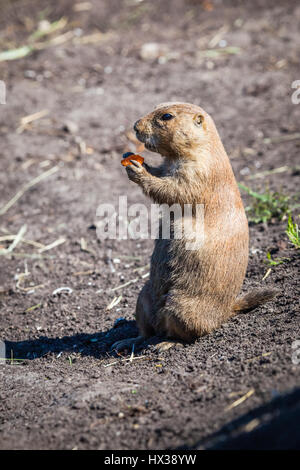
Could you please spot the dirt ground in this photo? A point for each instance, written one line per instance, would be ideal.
(92, 77)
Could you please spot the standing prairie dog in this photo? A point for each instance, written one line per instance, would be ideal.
(192, 292)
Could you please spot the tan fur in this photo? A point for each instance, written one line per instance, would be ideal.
(192, 292)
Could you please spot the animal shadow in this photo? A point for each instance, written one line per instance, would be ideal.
(97, 345)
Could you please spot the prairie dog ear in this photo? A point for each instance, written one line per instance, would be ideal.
(199, 120)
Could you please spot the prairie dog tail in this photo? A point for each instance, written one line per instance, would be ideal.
(253, 300)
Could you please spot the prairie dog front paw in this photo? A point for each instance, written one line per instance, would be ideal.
(136, 172)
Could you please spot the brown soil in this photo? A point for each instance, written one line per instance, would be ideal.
(64, 394)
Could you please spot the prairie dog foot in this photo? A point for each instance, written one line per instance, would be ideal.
(166, 345)
(127, 343)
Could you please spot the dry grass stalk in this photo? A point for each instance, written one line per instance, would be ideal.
(240, 400)
(27, 186)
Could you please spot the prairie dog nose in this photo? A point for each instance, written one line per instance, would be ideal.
(135, 127)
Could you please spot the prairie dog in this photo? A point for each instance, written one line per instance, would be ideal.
(192, 292)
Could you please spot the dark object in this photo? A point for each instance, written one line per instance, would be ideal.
(127, 154)
(278, 427)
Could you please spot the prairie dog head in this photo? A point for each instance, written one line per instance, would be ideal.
(175, 130)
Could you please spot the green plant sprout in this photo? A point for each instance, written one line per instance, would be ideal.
(292, 232)
(266, 206)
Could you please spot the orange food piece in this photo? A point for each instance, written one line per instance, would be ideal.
(126, 161)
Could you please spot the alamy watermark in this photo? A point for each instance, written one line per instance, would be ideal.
(2, 352)
(2, 92)
(161, 221)
(296, 95)
(296, 352)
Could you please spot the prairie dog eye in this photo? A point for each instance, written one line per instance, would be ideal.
(167, 117)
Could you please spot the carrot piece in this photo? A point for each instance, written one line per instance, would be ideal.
(126, 161)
